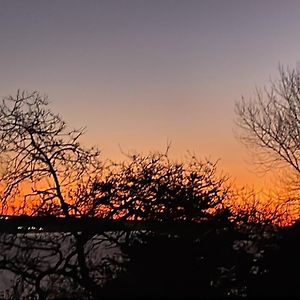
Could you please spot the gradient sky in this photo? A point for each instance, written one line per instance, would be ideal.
(141, 73)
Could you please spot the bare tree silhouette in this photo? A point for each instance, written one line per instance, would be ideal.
(270, 124)
(41, 160)
(270, 127)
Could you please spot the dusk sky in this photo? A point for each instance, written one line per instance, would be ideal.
(140, 74)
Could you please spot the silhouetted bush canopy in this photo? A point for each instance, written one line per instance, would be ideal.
(154, 188)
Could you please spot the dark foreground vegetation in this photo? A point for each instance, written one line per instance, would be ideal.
(211, 259)
(148, 227)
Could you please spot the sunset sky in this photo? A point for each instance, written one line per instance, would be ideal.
(139, 74)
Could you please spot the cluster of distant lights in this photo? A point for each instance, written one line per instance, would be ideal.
(28, 228)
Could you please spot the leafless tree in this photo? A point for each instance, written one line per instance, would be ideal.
(270, 125)
(41, 160)
(41, 163)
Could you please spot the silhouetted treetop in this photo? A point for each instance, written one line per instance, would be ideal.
(152, 187)
(271, 121)
(40, 157)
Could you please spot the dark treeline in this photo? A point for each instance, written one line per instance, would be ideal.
(211, 259)
(19, 224)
